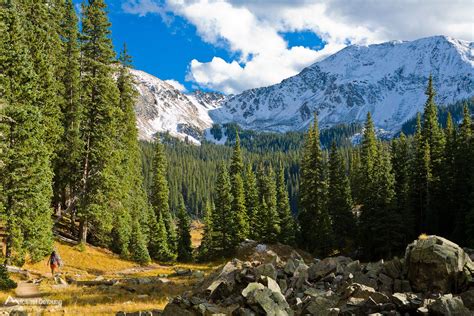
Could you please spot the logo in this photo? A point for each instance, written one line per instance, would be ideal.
(13, 301)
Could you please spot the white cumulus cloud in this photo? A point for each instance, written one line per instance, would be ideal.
(251, 31)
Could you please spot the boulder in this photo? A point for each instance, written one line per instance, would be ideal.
(393, 268)
(407, 302)
(468, 299)
(448, 305)
(437, 264)
(267, 269)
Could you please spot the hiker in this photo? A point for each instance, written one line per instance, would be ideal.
(54, 262)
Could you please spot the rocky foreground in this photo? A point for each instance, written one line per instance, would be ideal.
(436, 277)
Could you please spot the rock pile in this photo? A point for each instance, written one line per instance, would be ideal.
(421, 283)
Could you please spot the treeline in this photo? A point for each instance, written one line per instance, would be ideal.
(246, 204)
(69, 140)
(384, 194)
(193, 170)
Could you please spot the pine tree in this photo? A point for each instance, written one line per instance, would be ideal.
(160, 196)
(433, 135)
(420, 180)
(269, 222)
(158, 240)
(99, 99)
(313, 218)
(185, 251)
(340, 202)
(67, 166)
(464, 178)
(379, 231)
(42, 35)
(26, 172)
(446, 216)
(138, 250)
(402, 172)
(287, 222)
(240, 221)
(251, 201)
(206, 247)
(129, 170)
(221, 217)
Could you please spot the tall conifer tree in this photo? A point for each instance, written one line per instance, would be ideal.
(99, 98)
(240, 221)
(313, 218)
(26, 173)
(185, 251)
(340, 202)
(221, 217)
(287, 222)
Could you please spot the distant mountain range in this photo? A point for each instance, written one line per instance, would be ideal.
(387, 79)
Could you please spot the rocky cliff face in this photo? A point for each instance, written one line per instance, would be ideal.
(386, 79)
(162, 108)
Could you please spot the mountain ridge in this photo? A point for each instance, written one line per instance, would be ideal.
(387, 79)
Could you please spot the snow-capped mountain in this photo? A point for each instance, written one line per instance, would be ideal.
(388, 79)
(162, 108)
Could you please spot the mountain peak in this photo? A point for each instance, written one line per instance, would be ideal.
(387, 79)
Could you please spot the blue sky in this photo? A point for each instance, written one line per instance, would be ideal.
(233, 45)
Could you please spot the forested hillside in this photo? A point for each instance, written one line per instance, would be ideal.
(71, 163)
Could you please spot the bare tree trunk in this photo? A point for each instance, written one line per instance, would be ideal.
(83, 231)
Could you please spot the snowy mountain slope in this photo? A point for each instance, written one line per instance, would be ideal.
(162, 108)
(386, 79)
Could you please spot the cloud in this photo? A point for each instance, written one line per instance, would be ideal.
(251, 32)
(177, 85)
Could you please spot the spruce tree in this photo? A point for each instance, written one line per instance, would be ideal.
(221, 217)
(432, 134)
(402, 172)
(420, 179)
(251, 201)
(159, 197)
(99, 99)
(268, 219)
(26, 171)
(206, 247)
(446, 216)
(287, 222)
(43, 40)
(158, 240)
(138, 250)
(240, 221)
(185, 251)
(67, 165)
(379, 223)
(340, 202)
(464, 181)
(129, 170)
(313, 218)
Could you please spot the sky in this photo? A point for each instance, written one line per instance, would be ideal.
(234, 45)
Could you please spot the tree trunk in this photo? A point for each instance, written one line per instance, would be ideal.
(83, 231)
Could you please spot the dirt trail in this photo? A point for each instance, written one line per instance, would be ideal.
(27, 290)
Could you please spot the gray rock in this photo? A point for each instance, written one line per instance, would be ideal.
(267, 269)
(290, 267)
(468, 299)
(393, 268)
(374, 268)
(448, 305)
(361, 278)
(320, 306)
(436, 264)
(251, 287)
(407, 302)
(321, 268)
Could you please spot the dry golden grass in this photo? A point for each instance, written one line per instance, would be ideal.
(108, 300)
(197, 230)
